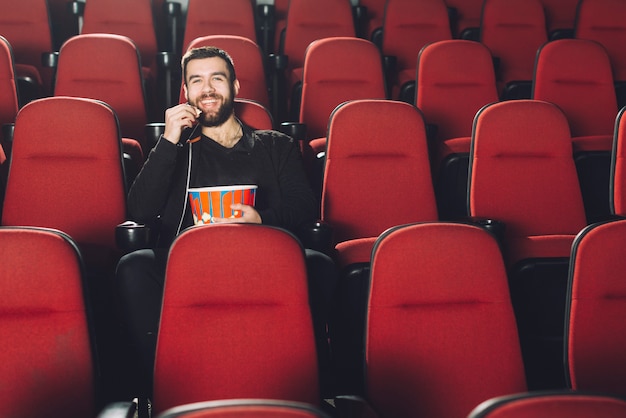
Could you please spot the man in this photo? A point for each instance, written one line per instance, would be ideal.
(204, 144)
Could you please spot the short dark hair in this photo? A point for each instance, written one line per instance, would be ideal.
(208, 52)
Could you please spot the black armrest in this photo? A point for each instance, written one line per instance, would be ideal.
(496, 227)
(296, 130)
(50, 59)
(7, 137)
(354, 407)
(119, 410)
(317, 236)
(153, 130)
(390, 63)
(131, 236)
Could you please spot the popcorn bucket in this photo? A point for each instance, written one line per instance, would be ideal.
(214, 202)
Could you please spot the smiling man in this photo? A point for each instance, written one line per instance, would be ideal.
(205, 144)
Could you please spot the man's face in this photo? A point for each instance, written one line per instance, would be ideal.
(208, 88)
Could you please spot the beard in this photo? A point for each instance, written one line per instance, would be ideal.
(223, 113)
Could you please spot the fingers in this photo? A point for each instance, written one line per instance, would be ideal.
(177, 119)
(250, 215)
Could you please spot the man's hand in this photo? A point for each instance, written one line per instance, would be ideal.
(250, 215)
(178, 118)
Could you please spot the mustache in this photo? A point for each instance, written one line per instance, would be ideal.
(210, 96)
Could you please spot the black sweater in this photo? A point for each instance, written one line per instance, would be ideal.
(269, 159)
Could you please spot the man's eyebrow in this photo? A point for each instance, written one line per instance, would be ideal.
(222, 73)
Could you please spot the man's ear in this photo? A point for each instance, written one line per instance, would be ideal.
(185, 91)
(236, 87)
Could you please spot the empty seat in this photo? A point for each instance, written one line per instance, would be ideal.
(523, 174)
(219, 17)
(114, 76)
(594, 329)
(441, 335)
(407, 26)
(366, 140)
(26, 26)
(575, 74)
(455, 78)
(356, 73)
(601, 21)
(307, 21)
(551, 404)
(134, 20)
(47, 351)
(227, 319)
(513, 30)
(242, 408)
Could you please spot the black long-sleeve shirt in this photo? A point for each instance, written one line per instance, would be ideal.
(269, 159)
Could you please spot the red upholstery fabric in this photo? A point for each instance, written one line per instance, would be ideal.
(450, 98)
(280, 22)
(356, 73)
(8, 92)
(467, 14)
(513, 30)
(560, 14)
(308, 21)
(522, 173)
(618, 165)
(441, 333)
(575, 74)
(551, 405)
(47, 361)
(133, 19)
(601, 21)
(408, 26)
(245, 408)
(26, 25)
(389, 185)
(595, 327)
(218, 17)
(234, 327)
(66, 170)
(112, 75)
(249, 66)
(253, 114)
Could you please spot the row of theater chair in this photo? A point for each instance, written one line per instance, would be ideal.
(426, 21)
(540, 217)
(441, 334)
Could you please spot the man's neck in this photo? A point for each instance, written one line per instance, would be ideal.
(226, 134)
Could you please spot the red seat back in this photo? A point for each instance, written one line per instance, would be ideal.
(601, 21)
(245, 408)
(575, 74)
(551, 404)
(219, 17)
(226, 318)
(46, 353)
(440, 322)
(595, 332)
(66, 170)
(409, 25)
(112, 75)
(513, 30)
